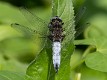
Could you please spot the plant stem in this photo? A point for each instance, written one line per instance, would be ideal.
(87, 51)
(78, 76)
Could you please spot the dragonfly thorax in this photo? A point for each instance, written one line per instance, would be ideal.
(56, 30)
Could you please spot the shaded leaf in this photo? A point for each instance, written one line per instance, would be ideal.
(90, 74)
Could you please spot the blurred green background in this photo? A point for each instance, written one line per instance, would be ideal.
(17, 51)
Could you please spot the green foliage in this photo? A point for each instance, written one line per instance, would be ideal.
(90, 74)
(17, 51)
(95, 36)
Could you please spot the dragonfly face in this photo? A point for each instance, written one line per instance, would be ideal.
(56, 22)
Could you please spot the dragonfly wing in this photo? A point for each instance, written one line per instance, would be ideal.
(25, 30)
(72, 33)
(36, 23)
(30, 33)
(69, 31)
(79, 14)
(80, 29)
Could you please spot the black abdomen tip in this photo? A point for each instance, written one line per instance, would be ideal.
(56, 68)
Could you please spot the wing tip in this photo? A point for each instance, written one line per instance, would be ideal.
(14, 24)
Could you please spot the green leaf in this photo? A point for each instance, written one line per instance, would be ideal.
(63, 9)
(38, 69)
(95, 31)
(6, 75)
(96, 60)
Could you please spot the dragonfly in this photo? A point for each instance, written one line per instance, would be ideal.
(56, 31)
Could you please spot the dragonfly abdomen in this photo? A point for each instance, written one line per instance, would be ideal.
(56, 47)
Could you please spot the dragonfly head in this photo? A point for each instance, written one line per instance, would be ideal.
(56, 21)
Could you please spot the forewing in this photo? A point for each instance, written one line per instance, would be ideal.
(36, 23)
(28, 32)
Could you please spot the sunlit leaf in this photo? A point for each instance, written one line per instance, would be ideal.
(96, 60)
